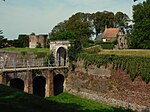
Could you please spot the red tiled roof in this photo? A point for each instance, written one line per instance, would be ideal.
(110, 32)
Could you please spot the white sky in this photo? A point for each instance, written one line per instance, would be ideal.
(40, 16)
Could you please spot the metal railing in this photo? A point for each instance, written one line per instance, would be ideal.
(28, 63)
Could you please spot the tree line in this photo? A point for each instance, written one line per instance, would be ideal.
(83, 26)
(21, 42)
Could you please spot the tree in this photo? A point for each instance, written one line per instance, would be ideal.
(77, 25)
(121, 19)
(85, 25)
(74, 50)
(66, 35)
(23, 41)
(59, 28)
(3, 41)
(101, 20)
(81, 26)
(140, 37)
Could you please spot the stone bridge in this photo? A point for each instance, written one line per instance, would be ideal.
(35, 76)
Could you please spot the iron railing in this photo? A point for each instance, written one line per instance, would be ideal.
(28, 63)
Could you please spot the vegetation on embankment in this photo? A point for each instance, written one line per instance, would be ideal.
(128, 52)
(25, 49)
(40, 52)
(134, 65)
(12, 100)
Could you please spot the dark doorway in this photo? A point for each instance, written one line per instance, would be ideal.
(17, 83)
(58, 84)
(39, 86)
(61, 56)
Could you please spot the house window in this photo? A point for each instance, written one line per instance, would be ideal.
(104, 40)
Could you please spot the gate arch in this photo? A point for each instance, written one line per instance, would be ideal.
(39, 83)
(17, 83)
(61, 55)
(58, 84)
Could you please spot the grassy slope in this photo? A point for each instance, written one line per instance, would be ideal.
(135, 52)
(130, 52)
(26, 50)
(12, 100)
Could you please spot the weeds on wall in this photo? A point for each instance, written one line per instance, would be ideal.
(134, 65)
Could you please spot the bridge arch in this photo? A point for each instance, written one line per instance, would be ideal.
(17, 83)
(58, 84)
(39, 83)
(61, 56)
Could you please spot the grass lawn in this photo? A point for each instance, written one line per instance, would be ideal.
(130, 52)
(26, 50)
(12, 100)
(133, 52)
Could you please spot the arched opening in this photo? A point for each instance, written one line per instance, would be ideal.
(17, 83)
(39, 86)
(61, 56)
(58, 84)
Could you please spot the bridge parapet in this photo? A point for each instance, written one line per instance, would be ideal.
(25, 64)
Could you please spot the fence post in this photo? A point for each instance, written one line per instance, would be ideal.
(14, 64)
(27, 64)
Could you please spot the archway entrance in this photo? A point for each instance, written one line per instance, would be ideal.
(58, 84)
(39, 86)
(61, 56)
(17, 83)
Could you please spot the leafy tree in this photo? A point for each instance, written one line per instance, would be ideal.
(84, 25)
(23, 41)
(121, 19)
(59, 28)
(77, 25)
(101, 20)
(66, 35)
(140, 37)
(3, 41)
(81, 26)
(74, 50)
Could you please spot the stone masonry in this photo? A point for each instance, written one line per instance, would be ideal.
(113, 87)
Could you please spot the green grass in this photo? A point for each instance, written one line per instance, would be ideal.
(129, 52)
(12, 100)
(40, 52)
(26, 50)
(133, 52)
(82, 104)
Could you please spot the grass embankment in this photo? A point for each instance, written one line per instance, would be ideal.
(25, 50)
(129, 52)
(40, 52)
(12, 100)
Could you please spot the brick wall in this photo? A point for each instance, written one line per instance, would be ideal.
(113, 87)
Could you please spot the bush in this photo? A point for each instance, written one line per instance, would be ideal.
(94, 49)
(134, 65)
(106, 45)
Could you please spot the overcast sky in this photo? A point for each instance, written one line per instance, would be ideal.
(40, 16)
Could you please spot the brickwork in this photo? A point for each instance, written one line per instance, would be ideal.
(28, 82)
(2, 78)
(114, 87)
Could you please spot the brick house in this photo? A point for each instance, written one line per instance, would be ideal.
(110, 34)
(114, 34)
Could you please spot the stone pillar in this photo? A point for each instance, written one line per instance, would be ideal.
(49, 88)
(2, 78)
(29, 83)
